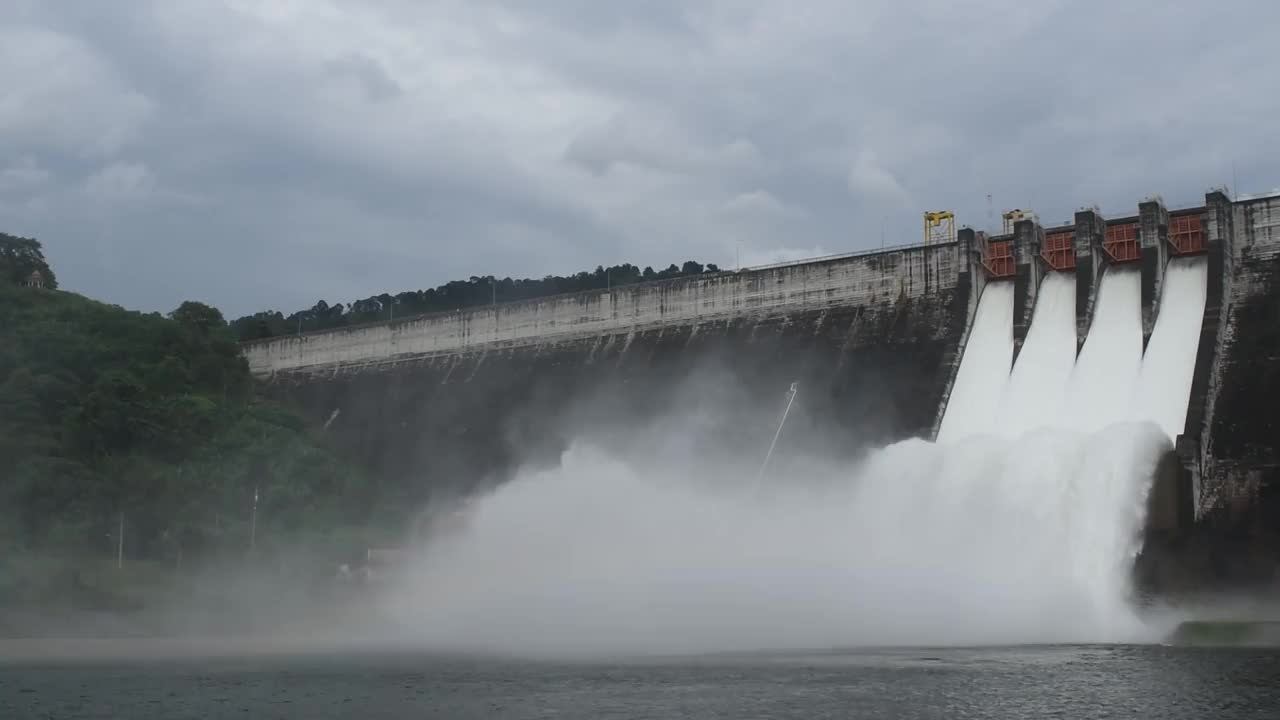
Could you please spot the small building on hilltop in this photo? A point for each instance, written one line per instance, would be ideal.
(34, 280)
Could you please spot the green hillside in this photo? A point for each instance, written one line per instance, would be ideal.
(106, 412)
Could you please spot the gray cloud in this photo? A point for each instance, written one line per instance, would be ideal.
(268, 155)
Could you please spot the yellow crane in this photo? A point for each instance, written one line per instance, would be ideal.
(939, 227)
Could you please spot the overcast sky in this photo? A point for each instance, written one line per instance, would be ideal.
(260, 154)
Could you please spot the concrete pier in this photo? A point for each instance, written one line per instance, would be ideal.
(1090, 229)
(1153, 238)
(1028, 238)
(1229, 444)
(969, 288)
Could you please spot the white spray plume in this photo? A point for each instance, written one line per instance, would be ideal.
(982, 542)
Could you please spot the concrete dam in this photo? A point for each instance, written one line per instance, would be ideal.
(1169, 316)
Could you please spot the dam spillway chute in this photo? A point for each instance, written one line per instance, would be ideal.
(1101, 385)
(1112, 379)
(1169, 363)
(984, 366)
(1037, 387)
(1116, 407)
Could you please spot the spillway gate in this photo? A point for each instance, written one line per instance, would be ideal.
(1059, 250)
(1121, 241)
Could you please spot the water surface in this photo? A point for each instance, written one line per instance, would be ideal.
(1168, 683)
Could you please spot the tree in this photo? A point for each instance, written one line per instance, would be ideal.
(198, 316)
(19, 257)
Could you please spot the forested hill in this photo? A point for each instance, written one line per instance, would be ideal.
(451, 296)
(104, 411)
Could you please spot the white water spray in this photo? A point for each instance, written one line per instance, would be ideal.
(922, 544)
(1025, 535)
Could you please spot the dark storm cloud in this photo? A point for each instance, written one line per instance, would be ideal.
(268, 155)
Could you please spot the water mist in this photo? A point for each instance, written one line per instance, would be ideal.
(1020, 525)
(921, 544)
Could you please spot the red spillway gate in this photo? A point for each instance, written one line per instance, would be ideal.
(997, 258)
(1059, 249)
(1186, 235)
(1121, 242)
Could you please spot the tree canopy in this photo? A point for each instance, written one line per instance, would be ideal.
(19, 257)
(105, 411)
(458, 294)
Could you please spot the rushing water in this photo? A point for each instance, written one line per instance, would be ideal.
(984, 367)
(1014, 683)
(1169, 363)
(1019, 526)
(980, 542)
(1037, 389)
(1101, 387)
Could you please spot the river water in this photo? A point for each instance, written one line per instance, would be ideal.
(1135, 681)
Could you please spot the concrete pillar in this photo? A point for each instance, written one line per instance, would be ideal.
(1091, 229)
(1193, 444)
(1219, 226)
(969, 284)
(1028, 238)
(1153, 243)
(969, 247)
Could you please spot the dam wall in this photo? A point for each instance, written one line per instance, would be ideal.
(1232, 439)
(861, 280)
(873, 340)
(448, 402)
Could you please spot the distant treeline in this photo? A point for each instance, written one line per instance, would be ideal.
(455, 295)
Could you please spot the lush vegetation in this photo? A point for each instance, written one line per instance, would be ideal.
(106, 412)
(451, 296)
(19, 257)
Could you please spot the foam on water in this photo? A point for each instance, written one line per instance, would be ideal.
(984, 367)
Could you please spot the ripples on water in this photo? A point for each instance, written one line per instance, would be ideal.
(1070, 682)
